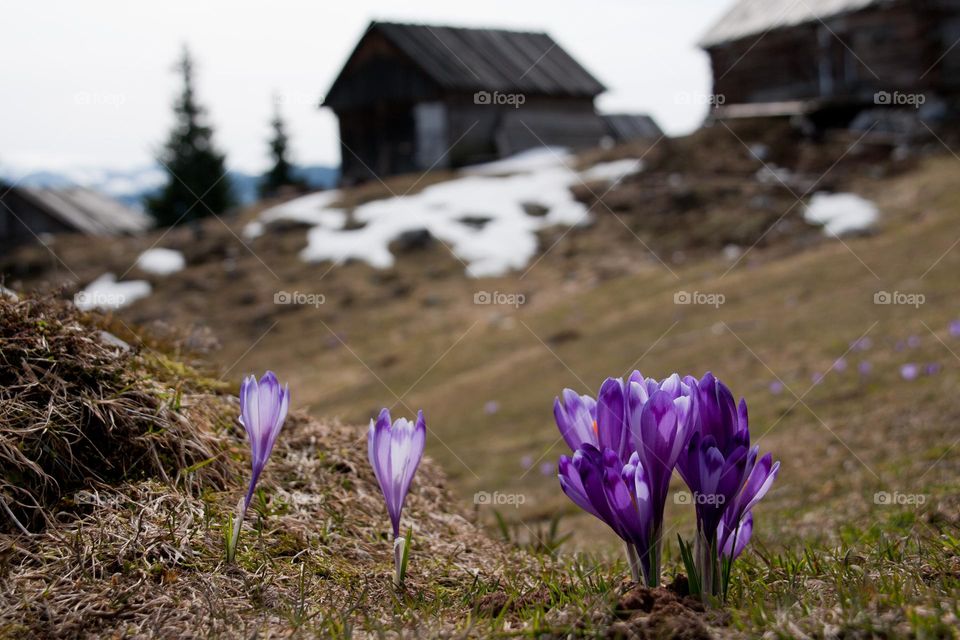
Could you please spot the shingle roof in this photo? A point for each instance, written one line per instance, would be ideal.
(491, 59)
(754, 17)
(632, 126)
(88, 211)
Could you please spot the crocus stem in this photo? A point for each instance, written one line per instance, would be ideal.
(653, 563)
(399, 543)
(708, 561)
(235, 532)
(633, 560)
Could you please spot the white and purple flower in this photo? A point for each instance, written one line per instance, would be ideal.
(395, 449)
(630, 436)
(263, 409)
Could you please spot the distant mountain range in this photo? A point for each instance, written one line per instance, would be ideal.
(130, 186)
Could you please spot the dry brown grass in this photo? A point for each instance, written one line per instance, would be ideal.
(134, 480)
(78, 411)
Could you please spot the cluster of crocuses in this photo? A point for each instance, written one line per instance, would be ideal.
(626, 444)
(394, 450)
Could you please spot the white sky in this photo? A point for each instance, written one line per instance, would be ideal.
(90, 84)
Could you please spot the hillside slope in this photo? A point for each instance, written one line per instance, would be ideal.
(140, 552)
(856, 397)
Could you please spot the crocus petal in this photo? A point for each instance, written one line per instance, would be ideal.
(735, 541)
(576, 419)
(757, 485)
(263, 410)
(571, 485)
(611, 407)
(395, 451)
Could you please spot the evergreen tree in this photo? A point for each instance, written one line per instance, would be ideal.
(281, 174)
(196, 184)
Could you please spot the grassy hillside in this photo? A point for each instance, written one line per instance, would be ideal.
(859, 535)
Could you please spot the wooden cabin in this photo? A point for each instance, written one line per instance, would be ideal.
(783, 57)
(28, 214)
(416, 97)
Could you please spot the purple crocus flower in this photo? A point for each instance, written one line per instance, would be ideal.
(736, 526)
(865, 368)
(394, 450)
(718, 467)
(909, 371)
(776, 387)
(732, 543)
(263, 408)
(660, 419)
(615, 493)
(955, 328)
(840, 365)
(644, 425)
(576, 417)
(932, 369)
(718, 456)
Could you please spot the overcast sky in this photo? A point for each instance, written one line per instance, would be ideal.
(90, 84)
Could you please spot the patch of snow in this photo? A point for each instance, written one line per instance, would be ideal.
(161, 262)
(254, 230)
(613, 171)
(505, 242)
(309, 210)
(111, 340)
(759, 151)
(841, 213)
(106, 293)
(772, 174)
(524, 162)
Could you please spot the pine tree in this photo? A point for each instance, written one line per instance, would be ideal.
(281, 174)
(196, 182)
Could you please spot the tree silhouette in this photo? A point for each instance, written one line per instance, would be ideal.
(281, 174)
(197, 184)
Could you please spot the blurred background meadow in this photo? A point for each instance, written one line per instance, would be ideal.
(467, 208)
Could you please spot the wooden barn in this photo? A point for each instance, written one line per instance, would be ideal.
(28, 214)
(417, 97)
(782, 57)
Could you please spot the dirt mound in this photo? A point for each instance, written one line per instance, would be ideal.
(135, 468)
(664, 612)
(79, 408)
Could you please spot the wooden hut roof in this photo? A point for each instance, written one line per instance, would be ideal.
(87, 211)
(754, 17)
(466, 59)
